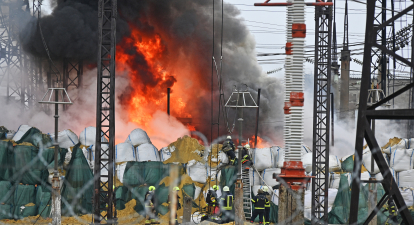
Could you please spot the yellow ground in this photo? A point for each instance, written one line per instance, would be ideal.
(187, 149)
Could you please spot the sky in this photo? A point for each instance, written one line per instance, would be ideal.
(268, 25)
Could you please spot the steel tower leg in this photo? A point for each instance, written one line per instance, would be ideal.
(105, 114)
(321, 113)
(11, 55)
(366, 114)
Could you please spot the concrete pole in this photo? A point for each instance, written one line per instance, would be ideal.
(344, 104)
(173, 196)
(291, 206)
(187, 206)
(56, 208)
(238, 203)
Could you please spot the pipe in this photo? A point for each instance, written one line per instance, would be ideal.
(168, 100)
(257, 118)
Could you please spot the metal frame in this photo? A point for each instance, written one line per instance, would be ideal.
(35, 67)
(321, 113)
(105, 113)
(74, 81)
(68, 68)
(379, 58)
(11, 59)
(366, 114)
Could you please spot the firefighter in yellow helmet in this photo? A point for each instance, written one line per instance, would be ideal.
(259, 202)
(246, 161)
(226, 206)
(229, 148)
(150, 217)
(267, 205)
(178, 205)
(392, 218)
(212, 201)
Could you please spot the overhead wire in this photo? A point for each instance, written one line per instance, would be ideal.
(48, 54)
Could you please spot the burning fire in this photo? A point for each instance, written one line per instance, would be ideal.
(144, 59)
(260, 142)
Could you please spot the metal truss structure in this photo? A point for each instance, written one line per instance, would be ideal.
(379, 58)
(20, 73)
(12, 66)
(34, 69)
(321, 114)
(368, 113)
(72, 74)
(105, 114)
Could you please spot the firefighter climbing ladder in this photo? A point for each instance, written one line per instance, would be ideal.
(247, 194)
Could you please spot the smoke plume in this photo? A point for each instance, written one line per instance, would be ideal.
(184, 29)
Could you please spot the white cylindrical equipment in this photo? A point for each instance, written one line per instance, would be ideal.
(288, 65)
(297, 85)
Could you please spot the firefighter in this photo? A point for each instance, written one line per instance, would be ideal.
(178, 206)
(267, 205)
(392, 218)
(246, 162)
(211, 200)
(226, 205)
(150, 217)
(259, 202)
(228, 148)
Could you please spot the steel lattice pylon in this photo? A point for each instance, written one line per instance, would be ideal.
(75, 68)
(321, 112)
(379, 59)
(34, 67)
(11, 60)
(105, 114)
(368, 113)
(72, 75)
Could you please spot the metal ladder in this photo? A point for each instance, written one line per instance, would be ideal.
(247, 194)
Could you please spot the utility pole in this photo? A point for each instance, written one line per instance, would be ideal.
(56, 197)
(335, 66)
(345, 62)
(240, 96)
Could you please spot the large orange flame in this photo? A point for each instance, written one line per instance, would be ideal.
(150, 72)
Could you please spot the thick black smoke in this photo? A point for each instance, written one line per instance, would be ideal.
(186, 27)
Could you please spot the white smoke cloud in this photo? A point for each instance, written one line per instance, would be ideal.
(162, 129)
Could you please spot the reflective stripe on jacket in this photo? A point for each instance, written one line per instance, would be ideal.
(227, 201)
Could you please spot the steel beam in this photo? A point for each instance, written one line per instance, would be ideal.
(104, 201)
(389, 184)
(321, 112)
(402, 114)
(392, 96)
(364, 131)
